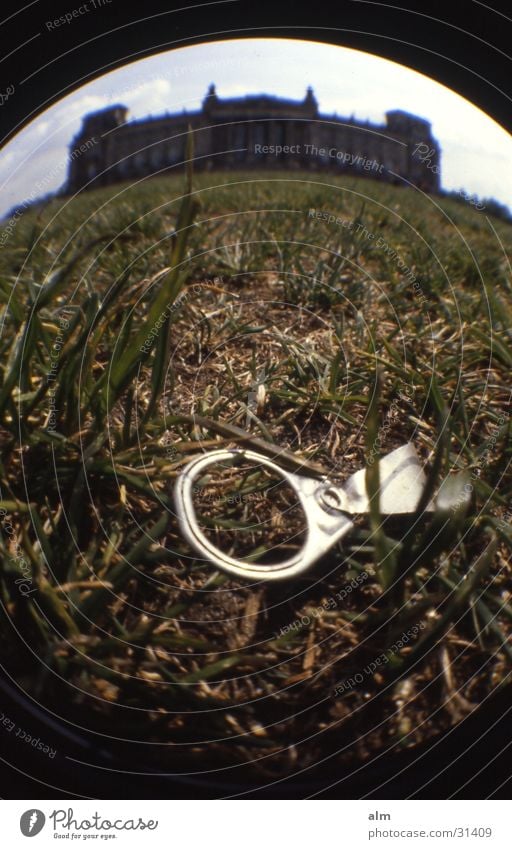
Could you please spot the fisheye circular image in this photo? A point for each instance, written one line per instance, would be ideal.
(255, 523)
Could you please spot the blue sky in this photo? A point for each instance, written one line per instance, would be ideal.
(476, 151)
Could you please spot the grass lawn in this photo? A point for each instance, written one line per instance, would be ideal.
(327, 317)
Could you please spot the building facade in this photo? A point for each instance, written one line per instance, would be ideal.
(257, 131)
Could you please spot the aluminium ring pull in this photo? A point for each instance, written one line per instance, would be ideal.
(323, 529)
(326, 507)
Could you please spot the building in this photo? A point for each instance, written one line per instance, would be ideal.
(257, 131)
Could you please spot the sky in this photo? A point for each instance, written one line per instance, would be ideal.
(476, 151)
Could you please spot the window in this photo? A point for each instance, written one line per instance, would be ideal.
(239, 141)
(258, 134)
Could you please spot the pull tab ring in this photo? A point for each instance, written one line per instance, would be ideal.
(323, 529)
